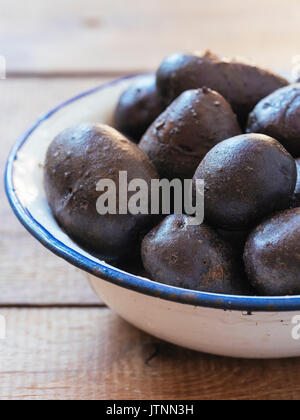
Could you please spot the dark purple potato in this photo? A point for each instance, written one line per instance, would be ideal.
(246, 178)
(138, 107)
(192, 257)
(242, 84)
(272, 255)
(296, 195)
(278, 116)
(181, 136)
(76, 161)
(237, 239)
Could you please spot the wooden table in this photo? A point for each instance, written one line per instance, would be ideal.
(62, 342)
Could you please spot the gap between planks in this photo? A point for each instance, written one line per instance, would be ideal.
(74, 74)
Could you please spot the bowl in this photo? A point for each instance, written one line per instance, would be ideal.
(235, 326)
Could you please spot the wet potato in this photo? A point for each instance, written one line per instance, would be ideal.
(138, 107)
(181, 136)
(76, 160)
(192, 257)
(296, 195)
(246, 178)
(272, 255)
(241, 83)
(236, 238)
(278, 116)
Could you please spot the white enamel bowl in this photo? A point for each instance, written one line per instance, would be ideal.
(250, 327)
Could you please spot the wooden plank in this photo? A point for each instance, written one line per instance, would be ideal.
(29, 273)
(130, 35)
(92, 354)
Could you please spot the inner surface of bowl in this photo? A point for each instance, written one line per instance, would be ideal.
(24, 186)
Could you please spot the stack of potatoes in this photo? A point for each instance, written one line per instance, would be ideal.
(230, 123)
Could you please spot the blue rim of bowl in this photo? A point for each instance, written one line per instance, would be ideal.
(111, 274)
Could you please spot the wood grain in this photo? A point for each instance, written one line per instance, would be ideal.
(116, 35)
(29, 274)
(92, 354)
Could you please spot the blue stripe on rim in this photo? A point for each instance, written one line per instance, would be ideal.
(115, 276)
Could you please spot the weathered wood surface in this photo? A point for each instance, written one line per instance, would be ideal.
(124, 36)
(92, 354)
(30, 274)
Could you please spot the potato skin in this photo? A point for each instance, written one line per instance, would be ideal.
(278, 116)
(181, 136)
(236, 238)
(246, 178)
(242, 84)
(296, 195)
(272, 255)
(76, 160)
(192, 257)
(138, 107)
